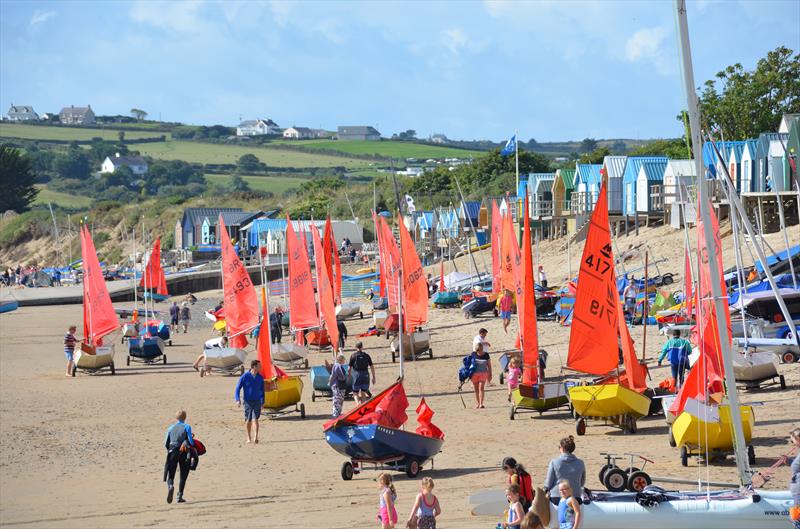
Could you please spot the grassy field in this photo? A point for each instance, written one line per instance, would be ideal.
(228, 154)
(273, 184)
(43, 132)
(386, 148)
(62, 199)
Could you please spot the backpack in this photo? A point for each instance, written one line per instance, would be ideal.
(361, 361)
(467, 368)
(338, 378)
(525, 488)
(199, 447)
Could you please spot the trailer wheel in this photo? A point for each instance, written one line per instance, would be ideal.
(502, 378)
(638, 480)
(347, 471)
(667, 280)
(783, 382)
(313, 397)
(165, 359)
(412, 468)
(602, 475)
(684, 456)
(511, 412)
(751, 455)
(170, 343)
(113, 371)
(361, 315)
(393, 357)
(630, 425)
(672, 442)
(580, 426)
(430, 354)
(302, 411)
(615, 479)
(128, 361)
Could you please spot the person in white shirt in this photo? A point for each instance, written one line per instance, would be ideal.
(542, 277)
(480, 338)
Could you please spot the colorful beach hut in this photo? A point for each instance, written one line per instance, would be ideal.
(563, 186)
(613, 168)
(792, 151)
(770, 156)
(649, 183)
(629, 180)
(747, 166)
(587, 186)
(679, 176)
(542, 195)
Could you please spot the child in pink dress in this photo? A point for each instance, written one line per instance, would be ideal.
(512, 378)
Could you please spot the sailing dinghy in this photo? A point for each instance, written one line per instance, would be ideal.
(598, 326)
(99, 318)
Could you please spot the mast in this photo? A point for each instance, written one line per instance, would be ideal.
(472, 229)
(720, 300)
(135, 285)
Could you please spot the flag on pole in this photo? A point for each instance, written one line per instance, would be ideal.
(511, 146)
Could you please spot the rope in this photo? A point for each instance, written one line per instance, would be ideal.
(766, 475)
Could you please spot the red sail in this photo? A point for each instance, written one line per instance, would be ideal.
(415, 286)
(325, 290)
(497, 236)
(594, 332)
(635, 373)
(156, 280)
(264, 343)
(392, 266)
(241, 302)
(528, 335)
(381, 260)
(99, 318)
(441, 276)
(704, 379)
(426, 427)
(332, 263)
(687, 284)
(387, 408)
(302, 307)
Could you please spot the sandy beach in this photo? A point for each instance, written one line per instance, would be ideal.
(88, 451)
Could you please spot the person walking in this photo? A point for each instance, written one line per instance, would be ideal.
(515, 510)
(179, 442)
(186, 316)
(251, 384)
(481, 375)
(569, 510)
(387, 514)
(342, 334)
(275, 325)
(517, 475)
(480, 339)
(794, 482)
(505, 304)
(360, 366)
(629, 294)
(677, 351)
(542, 277)
(174, 316)
(426, 507)
(69, 348)
(565, 466)
(338, 384)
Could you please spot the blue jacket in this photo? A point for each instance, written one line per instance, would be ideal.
(253, 386)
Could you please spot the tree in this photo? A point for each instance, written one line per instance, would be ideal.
(121, 136)
(618, 147)
(247, 163)
(74, 164)
(588, 145)
(138, 113)
(596, 156)
(16, 179)
(741, 104)
(238, 184)
(674, 149)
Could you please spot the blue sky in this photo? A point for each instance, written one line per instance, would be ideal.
(554, 70)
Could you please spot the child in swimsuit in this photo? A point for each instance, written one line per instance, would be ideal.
(426, 507)
(515, 512)
(387, 514)
(569, 511)
(514, 373)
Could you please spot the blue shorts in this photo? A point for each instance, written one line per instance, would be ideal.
(361, 381)
(505, 314)
(70, 355)
(252, 409)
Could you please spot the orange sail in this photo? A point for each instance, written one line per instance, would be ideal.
(527, 309)
(441, 276)
(594, 331)
(332, 263)
(426, 427)
(392, 266)
(381, 260)
(264, 340)
(415, 286)
(303, 309)
(325, 290)
(241, 302)
(387, 408)
(497, 236)
(510, 263)
(154, 271)
(99, 318)
(635, 373)
(687, 284)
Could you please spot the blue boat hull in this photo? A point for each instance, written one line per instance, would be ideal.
(380, 304)
(446, 298)
(145, 348)
(320, 376)
(154, 296)
(372, 442)
(8, 306)
(162, 331)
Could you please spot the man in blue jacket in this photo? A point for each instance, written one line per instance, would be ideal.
(677, 350)
(252, 383)
(179, 443)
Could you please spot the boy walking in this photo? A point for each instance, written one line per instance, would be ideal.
(252, 384)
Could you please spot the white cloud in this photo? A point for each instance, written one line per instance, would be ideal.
(647, 45)
(454, 39)
(182, 17)
(40, 16)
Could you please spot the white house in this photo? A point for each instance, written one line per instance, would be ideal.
(679, 175)
(73, 115)
(257, 127)
(136, 164)
(22, 113)
(298, 133)
(747, 166)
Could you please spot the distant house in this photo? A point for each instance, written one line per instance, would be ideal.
(257, 127)
(792, 148)
(438, 138)
(22, 113)
(321, 133)
(540, 187)
(298, 133)
(199, 226)
(361, 133)
(73, 115)
(136, 163)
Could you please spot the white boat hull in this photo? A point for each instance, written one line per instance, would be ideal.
(348, 309)
(696, 513)
(415, 344)
(103, 357)
(225, 357)
(378, 317)
(666, 403)
(130, 330)
(288, 353)
(755, 367)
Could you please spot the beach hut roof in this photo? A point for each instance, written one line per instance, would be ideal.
(471, 208)
(544, 182)
(568, 177)
(634, 163)
(587, 173)
(682, 167)
(654, 170)
(425, 220)
(615, 165)
(765, 140)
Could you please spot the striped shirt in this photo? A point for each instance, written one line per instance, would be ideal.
(69, 342)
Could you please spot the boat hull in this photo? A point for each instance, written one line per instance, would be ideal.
(540, 397)
(8, 306)
(288, 353)
(348, 309)
(413, 345)
(103, 357)
(155, 297)
(146, 348)
(690, 431)
(378, 317)
(228, 358)
(755, 367)
(445, 299)
(320, 377)
(608, 400)
(666, 403)
(283, 392)
(372, 442)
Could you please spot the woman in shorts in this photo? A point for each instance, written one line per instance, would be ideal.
(481, 374)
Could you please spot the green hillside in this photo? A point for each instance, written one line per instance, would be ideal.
(274, 184)
(58, 132)
(58, 198)
(383, 148)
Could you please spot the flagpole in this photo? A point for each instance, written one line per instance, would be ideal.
(516, 159)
